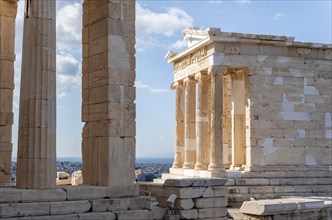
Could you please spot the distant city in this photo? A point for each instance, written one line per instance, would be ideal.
(149, 168)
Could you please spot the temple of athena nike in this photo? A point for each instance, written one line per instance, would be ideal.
(253, 123)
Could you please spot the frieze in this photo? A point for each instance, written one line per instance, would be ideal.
(303, 51)
(190, 59)
(232, 49)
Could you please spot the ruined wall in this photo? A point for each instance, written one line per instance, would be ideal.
(290, 96)
(196, 198)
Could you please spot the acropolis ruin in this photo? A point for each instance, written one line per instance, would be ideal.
(253, 123)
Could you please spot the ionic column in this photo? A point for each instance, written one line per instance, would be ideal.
(216, 147)
(190, 123)
(36, 157)
(202, 121)
(8, 11)
(179, 126)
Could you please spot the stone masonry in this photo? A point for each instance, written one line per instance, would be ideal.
(36, 157)
(8, 10)
(196, 198)
(76, 202)
(108, 107)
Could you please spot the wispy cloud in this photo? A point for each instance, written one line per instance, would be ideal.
(277, 16)
(215, 2)
(68, 73)
(141, 85)
(242, 2)
(179, 45)
(152, 27)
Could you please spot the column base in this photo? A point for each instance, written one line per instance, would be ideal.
(200, 166)
(177, 165)
(215, 167)
(237, 167)
(188, 165)
(192, 173)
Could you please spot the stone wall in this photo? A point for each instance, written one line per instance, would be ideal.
(77, 202)
(290, 109)
(288, 99)
(196, 198)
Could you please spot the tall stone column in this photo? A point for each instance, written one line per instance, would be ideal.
(8, 11)
(202, 121)
(36, 168)
(179, 125)
(238, 120)
(216, 165)
(190, 123)
(108, 107)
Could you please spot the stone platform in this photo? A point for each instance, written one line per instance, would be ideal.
(269, 184)
(276, 184)
(78, 202)
(304, 208)
(197, 198)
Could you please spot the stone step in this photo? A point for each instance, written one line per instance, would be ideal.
(65, 193)
(81, 216)
(43, 208)
(279, 181)
(231, 174)
(279, 189)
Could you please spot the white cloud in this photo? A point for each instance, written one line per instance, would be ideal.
(151, 26)
(179, 45)
(277, 16)
(68, 73)
(146, 42)
(242, 2)
(141, 85)
(69, 26)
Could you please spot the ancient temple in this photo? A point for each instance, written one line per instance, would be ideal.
(253, 121)
(262, 112)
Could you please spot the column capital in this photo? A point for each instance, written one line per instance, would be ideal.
(177, 85)
(202, 75)
(215, 70)
(189, 80)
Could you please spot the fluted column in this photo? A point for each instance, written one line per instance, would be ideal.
(8, 11)
(179, 126)
(190, 123)
(216, 148)
(202, 121)
(37, 119)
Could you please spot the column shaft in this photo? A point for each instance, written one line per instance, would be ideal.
(8, 11)
(36, 168)
(216, 148)
(190, 123)
(179, 127)
(202, 122)
(238, 121)
(108, 97)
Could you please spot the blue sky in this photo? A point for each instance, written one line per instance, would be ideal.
(159, 26)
